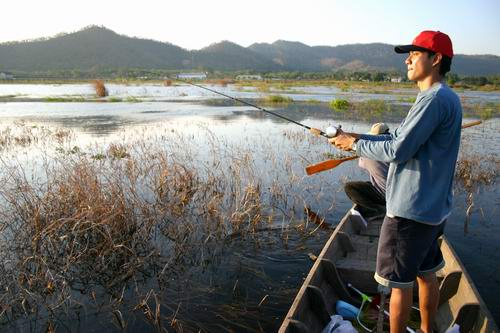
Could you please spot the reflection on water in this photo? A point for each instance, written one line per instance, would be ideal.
(99, 125)
(227, 293)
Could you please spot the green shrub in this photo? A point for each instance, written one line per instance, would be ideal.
(339, 104)
(278, 99)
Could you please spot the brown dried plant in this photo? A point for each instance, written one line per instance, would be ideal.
(100, 88)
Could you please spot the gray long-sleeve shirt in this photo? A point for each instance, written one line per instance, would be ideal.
(422, 154)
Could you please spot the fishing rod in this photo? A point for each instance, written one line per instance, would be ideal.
(330, 132)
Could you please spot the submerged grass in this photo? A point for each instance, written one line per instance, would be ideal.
(64, 99)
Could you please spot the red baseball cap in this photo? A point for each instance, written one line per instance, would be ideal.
(428, 40)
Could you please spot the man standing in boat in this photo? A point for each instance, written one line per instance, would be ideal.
(422, 154)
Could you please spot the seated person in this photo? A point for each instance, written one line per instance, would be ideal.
(370, 196)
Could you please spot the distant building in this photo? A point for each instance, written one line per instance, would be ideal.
(6, 76)
(398, 79)
(248, 77)
(190, 76)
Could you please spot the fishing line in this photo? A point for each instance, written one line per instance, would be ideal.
(329, 132)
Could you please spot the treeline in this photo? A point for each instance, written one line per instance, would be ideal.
(339, 76)
(157, 74)
(474, 80)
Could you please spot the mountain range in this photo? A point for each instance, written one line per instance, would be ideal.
(97, 48)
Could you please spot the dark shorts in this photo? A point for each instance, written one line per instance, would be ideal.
(407, 249)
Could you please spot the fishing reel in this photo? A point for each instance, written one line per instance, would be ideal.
(332, 131)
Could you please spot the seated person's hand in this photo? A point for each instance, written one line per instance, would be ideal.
(343, 141)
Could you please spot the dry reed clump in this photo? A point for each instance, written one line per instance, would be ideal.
(100, 88)
(92, 226)
(23, 135)
(9, 139)
(117, 151)
(80, 228)
(472, 172)
(225, 82)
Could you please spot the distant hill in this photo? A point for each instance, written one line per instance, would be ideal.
(91, 48)
(97, 48)
(325, 58)
(230, 56)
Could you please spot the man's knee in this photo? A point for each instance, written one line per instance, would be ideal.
(427, 278)
(402, 292)
(351, 189)
(348, 187)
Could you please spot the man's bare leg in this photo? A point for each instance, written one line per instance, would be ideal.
(399, 307)
(428, 295)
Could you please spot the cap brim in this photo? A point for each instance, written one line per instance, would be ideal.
(408, 48)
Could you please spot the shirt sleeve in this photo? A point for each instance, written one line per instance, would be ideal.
(382, 137)
(415, 130)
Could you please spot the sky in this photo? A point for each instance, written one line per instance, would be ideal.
(474, 26)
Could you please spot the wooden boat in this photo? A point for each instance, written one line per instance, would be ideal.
(349, 256)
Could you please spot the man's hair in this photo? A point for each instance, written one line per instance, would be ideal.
(444, 64)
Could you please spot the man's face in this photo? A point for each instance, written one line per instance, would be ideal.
(419, 65)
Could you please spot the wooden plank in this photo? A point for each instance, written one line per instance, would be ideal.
(296, 326)
(332, 276)
(466, 292)
(317, 304)
(345, 242)
(449, 286)
(467, 317)
(373, 228)
(366, 248)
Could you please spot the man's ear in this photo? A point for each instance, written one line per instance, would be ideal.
(437, 59)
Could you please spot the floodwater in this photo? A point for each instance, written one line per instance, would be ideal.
(150, 92)
(254, 280)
